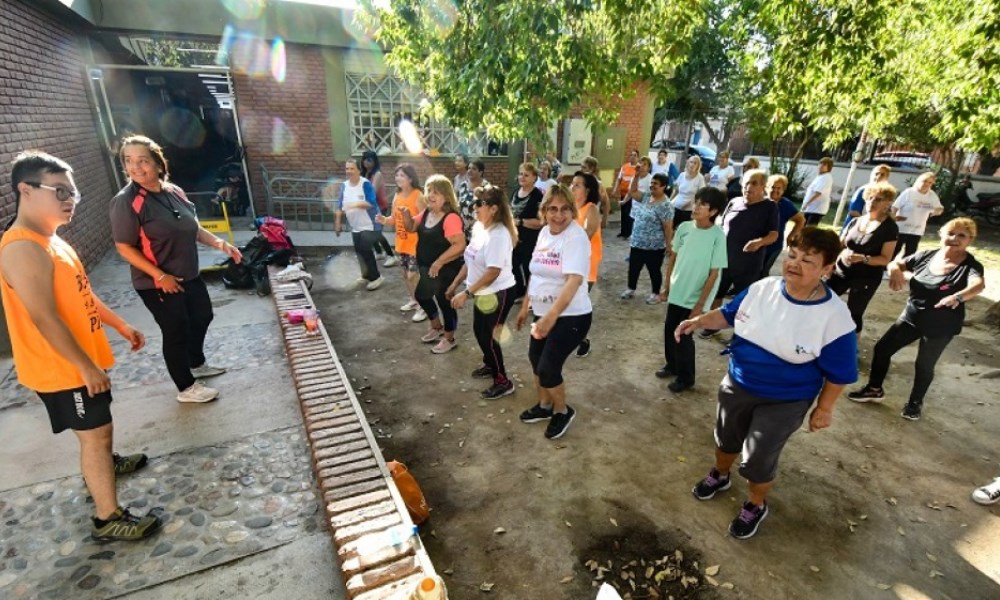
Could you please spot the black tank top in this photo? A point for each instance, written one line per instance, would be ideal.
(431, 242)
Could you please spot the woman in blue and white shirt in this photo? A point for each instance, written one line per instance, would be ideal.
(358, 203)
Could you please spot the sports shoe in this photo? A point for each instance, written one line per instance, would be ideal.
(627, 294)
(911, 412)
(198, 393)
(483, 372)
(379, 255)
(444, 345)
(988, 494)
(432, 336)
(374, 285)
(866, 394)
(419, 316)
(411, 305)
(124, 526)
(361, 280)
(536, 413)
(713, 483)
(559, 423)
(745, 525)
(128, 464)
(392, 261)
(497, 390)
(583, 351)
(207, 370)
(653, 299)
(706, 334)
(677, 386)
(665, 371)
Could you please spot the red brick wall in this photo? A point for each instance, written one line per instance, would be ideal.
(44, 105)
(630, 117)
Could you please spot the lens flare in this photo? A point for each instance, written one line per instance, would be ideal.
(250, 55)
(502, 334)
(411, 139)
(244, 9)
(487, 303)
(225, 45)
(282, 137)
(278, 60)
(182, 128)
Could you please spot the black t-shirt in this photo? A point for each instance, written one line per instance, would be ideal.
(165, 225)
(743, 222)
(526, 208)
(869, 244)
(927, 289)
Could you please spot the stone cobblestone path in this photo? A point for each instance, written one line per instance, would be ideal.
(217, 503)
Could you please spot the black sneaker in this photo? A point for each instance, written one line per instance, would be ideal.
(911, 412)
(128, 464)
(583, 350)
(665, 371)
(535, 414)
(745, 525)
(124, 526)
(497, 390)
(712, 483)
(483, 372)
(677, 386)
(706, 334)
(866, 394)
(560, 423)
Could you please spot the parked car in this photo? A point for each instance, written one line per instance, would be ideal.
(904, 161)
(706, 154)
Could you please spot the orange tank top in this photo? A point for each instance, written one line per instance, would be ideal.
(596, 243)
(39, 366)
(406, 241)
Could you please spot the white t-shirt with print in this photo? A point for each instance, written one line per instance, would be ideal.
(544, 185)
(642, 183)
(916, 208)
(487, 248)
(658, 168)
(358, 218)
(719, 178)
(823, 184)
(686, 189)
(555, 257)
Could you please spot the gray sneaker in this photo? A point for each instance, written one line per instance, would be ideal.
(207, 370)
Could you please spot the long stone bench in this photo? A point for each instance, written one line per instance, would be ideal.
(360, 498)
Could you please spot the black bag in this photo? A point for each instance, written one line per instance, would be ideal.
(252, 272)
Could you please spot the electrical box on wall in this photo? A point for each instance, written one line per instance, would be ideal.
(576, 141)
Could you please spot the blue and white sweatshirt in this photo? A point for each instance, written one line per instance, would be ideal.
(784, 349)
(358, 218)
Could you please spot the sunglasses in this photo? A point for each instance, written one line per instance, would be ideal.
(481, 203)
(62, 194)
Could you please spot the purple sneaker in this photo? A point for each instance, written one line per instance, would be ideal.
(714, 482)
(745, 525)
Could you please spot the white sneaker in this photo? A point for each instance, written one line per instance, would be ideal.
(392, 261)
(360, 280)
(432, 336)
(206, 370)
(411, 305)
(374, 285)
(198, 393)
(627, 294)
(444, 345)
(379, 255)
(653, 299)
(419, 316)
(988, 494)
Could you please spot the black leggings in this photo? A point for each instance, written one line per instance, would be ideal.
(382, 244)
(548, 355)
(364, 247)
(652, 260)
(430, 294)
(681, 216)
(859, 293)
(679, 355)
(908, 243)
(521, 260)
(488, 316)
(813, 219)
(898, 336)
(183, 319)
(627, 220)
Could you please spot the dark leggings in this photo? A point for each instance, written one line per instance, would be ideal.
(813, 219)
(769, 259)
(898, 336)
(364, 247)
(679, 355)
(381, 244)
(548, 355)
(681, 216)
(908, 243)
(627, 220)
(522, 274)
(488, 316)
(859, 293)
(652, 260)
(430, 294)
(183, 319)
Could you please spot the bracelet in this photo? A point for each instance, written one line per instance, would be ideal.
(222, 244)
(469, 293)
(866, 259)
(160, 278)
(959, 299)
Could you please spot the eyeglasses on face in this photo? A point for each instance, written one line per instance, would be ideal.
(62, 194)
(481, 203)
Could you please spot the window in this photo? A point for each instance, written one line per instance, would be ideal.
(379, 102)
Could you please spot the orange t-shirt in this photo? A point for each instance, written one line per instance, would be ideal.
(406, 241)
(39, 366)
(627, 174)
(596, 243)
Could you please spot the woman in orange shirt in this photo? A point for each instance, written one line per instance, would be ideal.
(587, 197)
(407, 195)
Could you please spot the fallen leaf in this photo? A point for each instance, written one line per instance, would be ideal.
(566, 579)
(900, 531)
(613, 521)
(499, 530)
(486, 587)
(568, 524)
(884, 586)
(449, 571)
(711, 581)
(892, 501)
(538, 475)
(713, 570)
(681, 459)
(863, 517)
(931, 557)
(649, 572)
(461, 442)
(934, 574)
(726, 585)
(814, 568)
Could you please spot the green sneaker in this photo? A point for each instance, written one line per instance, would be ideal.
(129, 464)
(124, 526)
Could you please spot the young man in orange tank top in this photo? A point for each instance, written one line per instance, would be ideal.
(56, 326)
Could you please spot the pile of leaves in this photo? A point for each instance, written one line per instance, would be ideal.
(669, 578)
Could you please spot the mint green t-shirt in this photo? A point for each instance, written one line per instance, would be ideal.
(696, 252)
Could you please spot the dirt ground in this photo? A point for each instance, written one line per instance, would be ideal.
(875, 507)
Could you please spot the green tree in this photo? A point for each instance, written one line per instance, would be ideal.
(516, 66)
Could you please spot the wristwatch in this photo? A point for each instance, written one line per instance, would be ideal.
(866, 259)
(469, 293)
(959, 299)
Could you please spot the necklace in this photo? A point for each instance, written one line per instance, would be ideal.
(815, 291)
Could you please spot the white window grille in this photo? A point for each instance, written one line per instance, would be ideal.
(377, 105)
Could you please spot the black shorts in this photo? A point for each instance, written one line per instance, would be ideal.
(75, 409)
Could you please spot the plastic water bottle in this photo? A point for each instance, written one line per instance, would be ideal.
(396, 537)
(430, 588)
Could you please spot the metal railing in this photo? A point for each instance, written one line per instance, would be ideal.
(305, 201)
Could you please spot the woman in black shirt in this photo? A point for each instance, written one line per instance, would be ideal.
(524, 203)
(941, 282)
(869, 245)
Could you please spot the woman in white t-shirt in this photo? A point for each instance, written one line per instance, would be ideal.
(545, 180)
(357, 204)
(912, 209)
(690, 181)
(489, 279)
(722, 173)
(558, 298)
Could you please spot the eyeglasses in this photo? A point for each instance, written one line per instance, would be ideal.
(481, 203)
(62, 194)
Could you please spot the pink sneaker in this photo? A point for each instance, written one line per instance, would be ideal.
(444, 345)
(431, 336)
